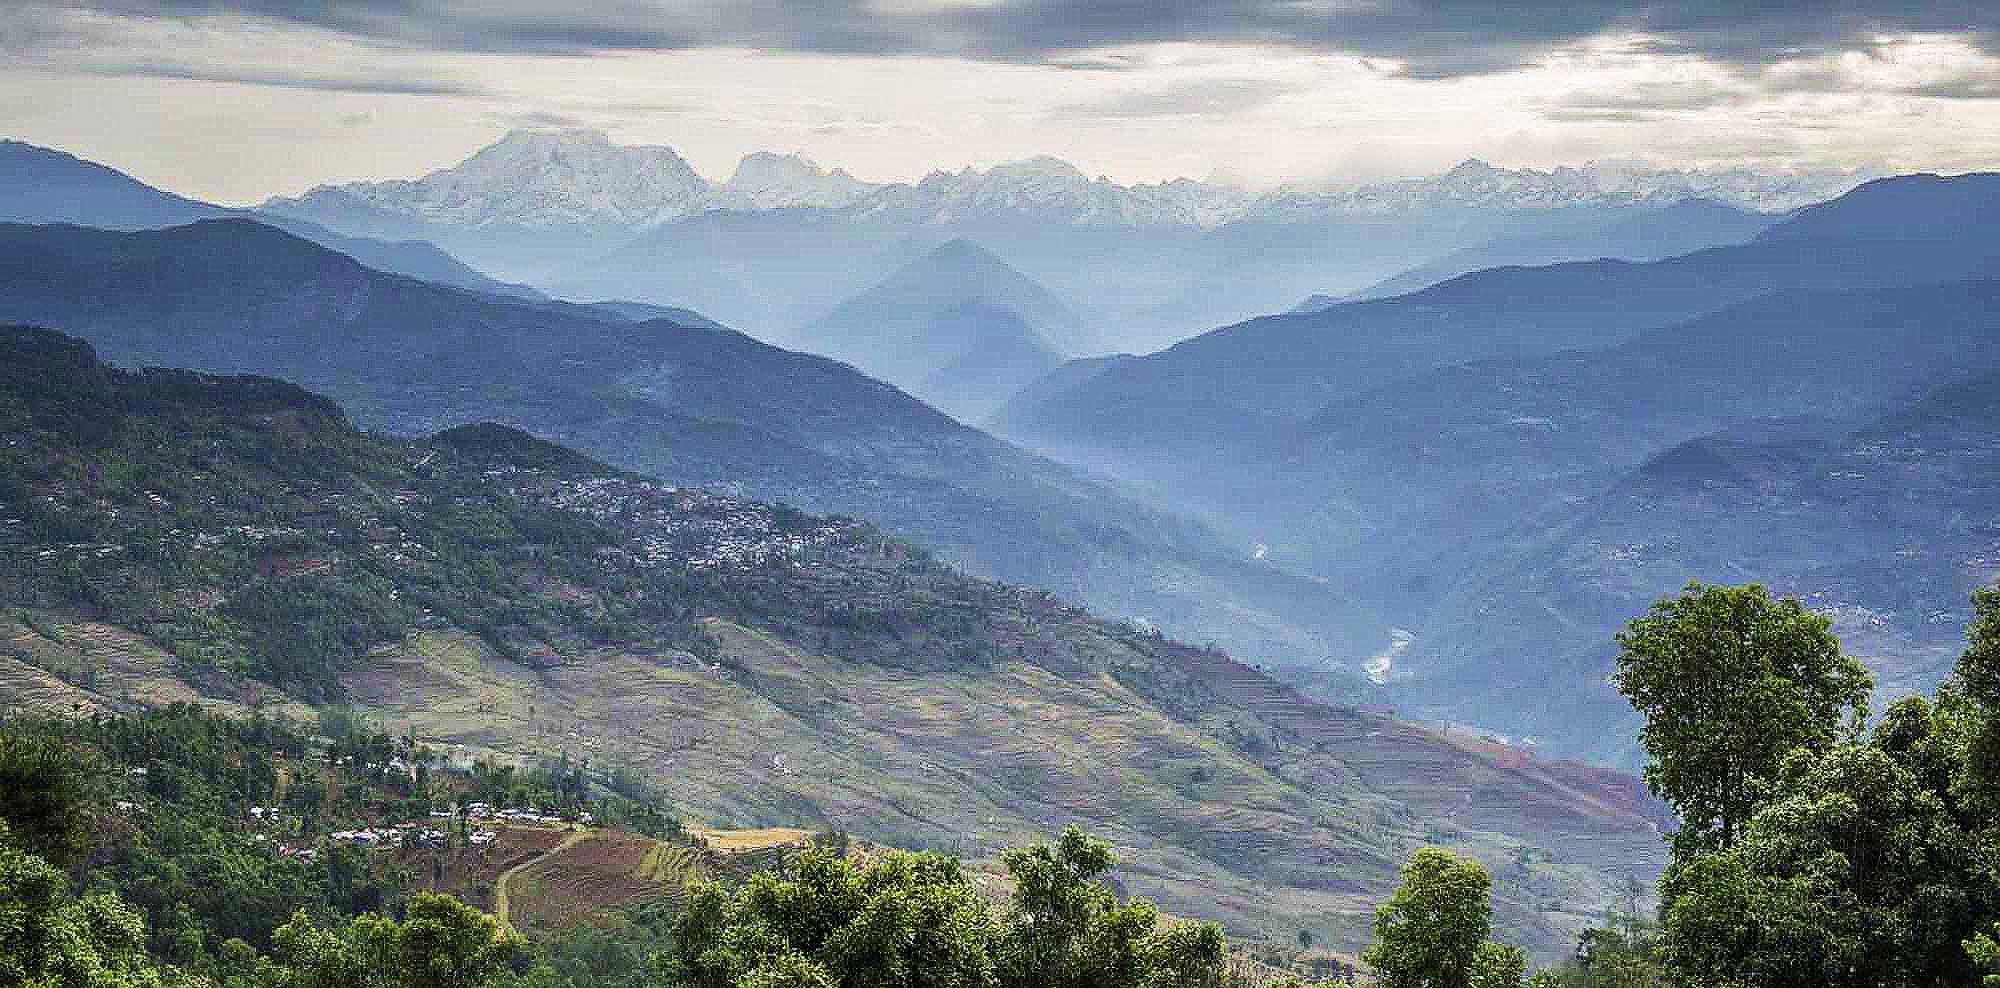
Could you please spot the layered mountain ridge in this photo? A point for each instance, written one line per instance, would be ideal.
(1439, 457)
(690, 403)
(41, 185)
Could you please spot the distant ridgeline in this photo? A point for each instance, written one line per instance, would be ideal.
(232, 541)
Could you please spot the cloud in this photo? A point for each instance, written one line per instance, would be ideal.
(320, 82)
(543, 120)
(1564, 114)
(1652, 99)
(1960, 85)
(1422, 39)
(1196, 98)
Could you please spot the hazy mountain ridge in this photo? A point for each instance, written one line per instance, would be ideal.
(1887, 528)
(1459, 473)
(1681, 227)
(695, 405)
(956, 327)
(1424, 494)
(41, 185)
(784, 240)
(1236, 381)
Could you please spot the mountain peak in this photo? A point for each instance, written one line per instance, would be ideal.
(542, 179)
(1041, 166)
(760, 166)
(1470, 168)
(961, 270)
(772, 180)
(545, 141)
(554, 136)
(963, 250)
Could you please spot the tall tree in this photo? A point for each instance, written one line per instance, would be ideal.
(1823, 857)
(907, 921)
(1985, 952)
(1979, 672)
(1856, 875)
(1434, 932)
(1730, 682)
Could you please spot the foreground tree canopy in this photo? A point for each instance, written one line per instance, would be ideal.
(1434, 932)
(916, 921)
(1731, 682)
(1814, 852)
(820, 919)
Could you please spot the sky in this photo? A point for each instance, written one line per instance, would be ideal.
(238, 100)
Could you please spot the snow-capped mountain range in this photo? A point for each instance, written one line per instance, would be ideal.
(577, 178)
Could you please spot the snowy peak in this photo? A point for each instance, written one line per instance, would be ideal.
(766, 180)
(1476, 183)
(1041, 168)
(1051, 190)
(543, 179)
(546, 179)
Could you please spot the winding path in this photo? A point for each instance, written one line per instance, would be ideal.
(500, 884)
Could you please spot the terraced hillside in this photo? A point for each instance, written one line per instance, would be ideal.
(175, 534)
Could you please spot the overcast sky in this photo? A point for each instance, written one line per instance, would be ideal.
(237, 100)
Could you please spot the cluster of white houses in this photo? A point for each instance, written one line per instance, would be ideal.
(425, 835)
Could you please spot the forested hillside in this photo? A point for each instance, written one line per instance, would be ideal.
(233, 541)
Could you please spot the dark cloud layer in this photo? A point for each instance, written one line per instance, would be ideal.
(1425, 38)
(1964, 85)
(372, 84)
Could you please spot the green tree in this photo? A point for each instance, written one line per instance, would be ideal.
(1858, 861)
(916, 921)
(1985, 952)
(42, 798)
(1858, 872)
(1731, 681)
(1066, 929)
(1979, 677)
(1434, 932)
(1623, 953)
(51, 939)
(906, 920)
(441, 943)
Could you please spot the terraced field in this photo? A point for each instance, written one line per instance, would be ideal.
(1298, 821)
(1268, 812)
(543, 878)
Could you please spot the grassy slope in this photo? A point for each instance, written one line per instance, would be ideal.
(844, 681)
